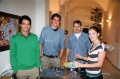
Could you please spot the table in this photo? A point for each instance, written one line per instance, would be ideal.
(51, 74)
(60, 78)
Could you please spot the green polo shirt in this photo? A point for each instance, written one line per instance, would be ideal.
(24, 52)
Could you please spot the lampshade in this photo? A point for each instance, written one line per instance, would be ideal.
(108, 20)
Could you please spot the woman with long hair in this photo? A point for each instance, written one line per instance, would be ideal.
(96, 55)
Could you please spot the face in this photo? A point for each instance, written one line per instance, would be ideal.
(77, 28)
(93, 35)
(25, 26)
(55, 22)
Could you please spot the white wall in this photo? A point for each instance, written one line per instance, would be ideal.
(20, 7)
(111, 33)
(37, 10)
(42, 15)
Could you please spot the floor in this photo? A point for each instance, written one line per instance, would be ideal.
(112, 70)
(109, 71)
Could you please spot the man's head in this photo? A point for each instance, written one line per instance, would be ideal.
(25, 23)
(55, 19)
(77, 26)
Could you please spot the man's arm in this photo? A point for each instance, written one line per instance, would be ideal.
(68, 47)
(61, 53)
(67, 54)
(13, 55)
(62, 44)
(41, 41)
(41, 52)
(37, 52)
(88, 43)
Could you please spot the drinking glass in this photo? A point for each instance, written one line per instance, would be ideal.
(58, 73)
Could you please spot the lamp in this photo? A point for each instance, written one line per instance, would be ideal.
(108, 20)
(101, 23)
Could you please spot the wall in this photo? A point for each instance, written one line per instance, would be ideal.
(54, 6)
(38, 12)
(111, 31)
(42, 15)
(78, 10)
(19, 7)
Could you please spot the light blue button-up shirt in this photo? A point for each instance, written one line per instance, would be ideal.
(80, 45)
(52, 41)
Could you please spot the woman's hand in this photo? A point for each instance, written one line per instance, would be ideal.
(77, 64)
(78, 56)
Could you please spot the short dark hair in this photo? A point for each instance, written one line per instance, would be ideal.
(56, 15)
(24, 17)
(78, 22)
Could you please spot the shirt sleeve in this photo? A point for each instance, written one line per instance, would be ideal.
(13, 55)
(42, 39)
(88, 43)
(37, 53)
(103, 48)
(62, 41)
(68, 44)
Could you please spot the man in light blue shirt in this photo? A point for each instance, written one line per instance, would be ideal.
(78, 43)
(52, 41)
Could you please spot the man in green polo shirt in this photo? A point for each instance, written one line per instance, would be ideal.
(24, 51)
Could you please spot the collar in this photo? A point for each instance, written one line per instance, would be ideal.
(54, 29)
(21, 34)
(77, 35)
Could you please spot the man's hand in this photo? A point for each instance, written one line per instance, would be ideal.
(41, 55)
(66, 60)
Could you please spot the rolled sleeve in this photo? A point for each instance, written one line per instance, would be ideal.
(68, 44)
(41, 39)
(62, 41)
(88, 44)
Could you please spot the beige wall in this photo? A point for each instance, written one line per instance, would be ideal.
(54, 6)
(77, 10)
(111, 31)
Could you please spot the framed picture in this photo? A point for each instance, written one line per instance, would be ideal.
(9, 26)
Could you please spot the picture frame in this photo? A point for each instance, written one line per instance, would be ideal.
(9, 26)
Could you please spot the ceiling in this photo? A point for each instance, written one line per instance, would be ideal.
(79, 8)
(55, 4)
(103, 3)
